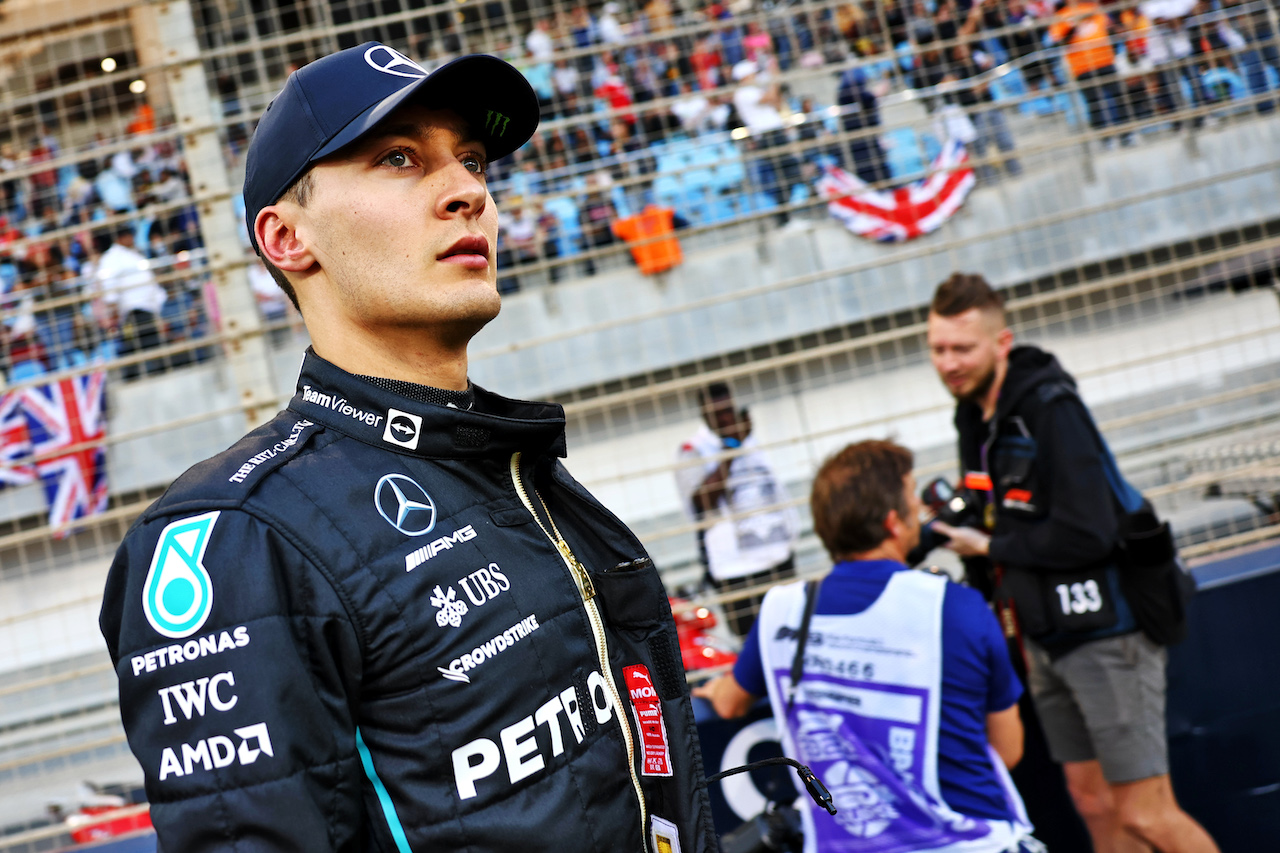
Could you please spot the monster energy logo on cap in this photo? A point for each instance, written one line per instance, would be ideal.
(178, 594)
(495, 123)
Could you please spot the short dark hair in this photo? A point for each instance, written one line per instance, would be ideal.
(854, 491)
(963, 292)
(714, 391)
(299, 193)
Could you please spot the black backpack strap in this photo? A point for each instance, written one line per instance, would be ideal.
(802, 639)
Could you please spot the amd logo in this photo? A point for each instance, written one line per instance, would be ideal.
(214, 753)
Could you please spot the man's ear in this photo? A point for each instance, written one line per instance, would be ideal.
(892, 523)
(276, 230)
(1004, 341)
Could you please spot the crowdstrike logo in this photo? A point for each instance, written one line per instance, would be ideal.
(459, 666)
(390, 61)
(405, 505)
(403, 428)
(178, 594)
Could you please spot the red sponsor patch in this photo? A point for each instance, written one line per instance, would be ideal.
(1021, 496)
(656, 758)
(978, 480)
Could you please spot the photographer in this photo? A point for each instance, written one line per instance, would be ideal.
(906, 703)
(750, 543)
(1055, 513)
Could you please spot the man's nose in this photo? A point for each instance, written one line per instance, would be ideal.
(464, 191)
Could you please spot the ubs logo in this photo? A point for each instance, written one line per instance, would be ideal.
(403, 428)
(405, 505)
(389, 61)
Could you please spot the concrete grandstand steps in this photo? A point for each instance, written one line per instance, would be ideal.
(59, 726)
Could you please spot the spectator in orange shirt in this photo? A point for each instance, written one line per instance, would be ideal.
(143, 120)
(1086, 31)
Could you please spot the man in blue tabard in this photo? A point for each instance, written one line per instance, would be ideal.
(906, 705)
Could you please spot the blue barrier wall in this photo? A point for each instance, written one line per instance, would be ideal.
(1224, 703)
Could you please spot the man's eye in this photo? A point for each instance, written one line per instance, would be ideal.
(474, 163)
(397, 159)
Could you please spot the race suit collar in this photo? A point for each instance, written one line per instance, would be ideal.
(497, 426)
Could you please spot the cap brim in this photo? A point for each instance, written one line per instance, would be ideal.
(491, 95)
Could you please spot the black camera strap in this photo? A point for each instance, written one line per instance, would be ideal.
(802, 639)
(812, 783)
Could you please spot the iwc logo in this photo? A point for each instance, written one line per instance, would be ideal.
(389, 61)
(405, 505)
(178, 594)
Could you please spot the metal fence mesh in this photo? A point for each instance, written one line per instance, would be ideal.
(1128, 210)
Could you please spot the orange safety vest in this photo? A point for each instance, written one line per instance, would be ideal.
(144, 120)
(646, 233)
(1090, 46)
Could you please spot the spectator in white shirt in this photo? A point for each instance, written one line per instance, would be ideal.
(758, 103)
(133, 298)
(538, 41)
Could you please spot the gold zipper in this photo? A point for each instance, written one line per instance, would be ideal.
(588, 592)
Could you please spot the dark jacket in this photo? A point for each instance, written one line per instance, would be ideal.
(355, 630)
(1055, 510)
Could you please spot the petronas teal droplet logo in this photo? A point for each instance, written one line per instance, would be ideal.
(178, 594)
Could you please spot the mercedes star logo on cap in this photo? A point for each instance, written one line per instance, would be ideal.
(390, 61)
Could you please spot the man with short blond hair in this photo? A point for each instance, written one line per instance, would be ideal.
(1051, 498)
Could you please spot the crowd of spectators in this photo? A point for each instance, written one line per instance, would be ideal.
(97, 255)
(618, 87)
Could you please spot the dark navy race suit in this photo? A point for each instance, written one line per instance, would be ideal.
(381, 625)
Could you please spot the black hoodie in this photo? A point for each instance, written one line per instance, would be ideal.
(1054, 507)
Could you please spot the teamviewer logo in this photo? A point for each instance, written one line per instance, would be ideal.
(402, 429)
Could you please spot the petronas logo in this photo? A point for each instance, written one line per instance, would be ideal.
(178, 594)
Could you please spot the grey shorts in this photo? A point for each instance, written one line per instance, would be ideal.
(1104, 700)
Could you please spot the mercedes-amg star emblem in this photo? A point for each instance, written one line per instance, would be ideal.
(405, 505)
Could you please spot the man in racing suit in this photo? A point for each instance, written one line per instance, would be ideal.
(389, 619)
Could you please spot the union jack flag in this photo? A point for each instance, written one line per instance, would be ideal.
(904, 213)
(15, 443)
(68, 415)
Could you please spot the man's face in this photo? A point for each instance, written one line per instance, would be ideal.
(966, 350)
(403, 230)
(720, 416)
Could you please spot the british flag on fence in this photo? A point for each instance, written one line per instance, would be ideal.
(16, 468)
(68, 415)
(896, 215)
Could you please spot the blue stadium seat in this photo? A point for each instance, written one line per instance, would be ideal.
(1223, 84)
(903, 154)
(569, 241)
(1009, 86)
(24, 370)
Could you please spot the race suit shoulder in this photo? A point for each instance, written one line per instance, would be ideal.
(375, 624)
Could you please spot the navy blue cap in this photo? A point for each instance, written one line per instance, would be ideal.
(335, 100)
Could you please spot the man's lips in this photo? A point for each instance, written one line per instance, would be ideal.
(467, 248)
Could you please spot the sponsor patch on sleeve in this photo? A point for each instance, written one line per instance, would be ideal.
(653, 730)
